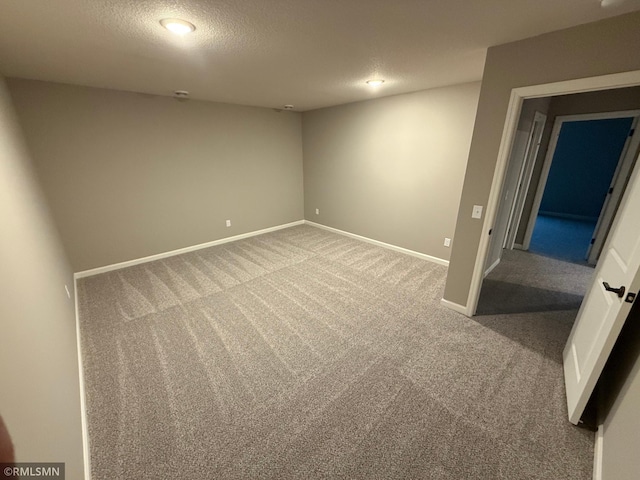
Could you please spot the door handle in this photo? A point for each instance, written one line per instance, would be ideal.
(618, 291)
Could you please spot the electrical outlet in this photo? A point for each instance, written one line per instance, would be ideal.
(317, 211)
(66, 289)
(228, 223)
(477, 211)
(447, 242)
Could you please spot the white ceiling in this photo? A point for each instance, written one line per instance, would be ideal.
(310, 53)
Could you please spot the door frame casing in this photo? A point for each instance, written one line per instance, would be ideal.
(524, 179)
(518, 95)
(548, 159)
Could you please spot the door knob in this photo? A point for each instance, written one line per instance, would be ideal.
(618, 291)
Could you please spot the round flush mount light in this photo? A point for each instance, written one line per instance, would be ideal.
(180, 94)
(375, 83)
(288, 107)
(177, 26)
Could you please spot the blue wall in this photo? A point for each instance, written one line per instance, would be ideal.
(583, 165)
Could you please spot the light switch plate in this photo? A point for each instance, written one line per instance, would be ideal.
(477, 211)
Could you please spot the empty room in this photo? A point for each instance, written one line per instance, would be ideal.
(291, 240)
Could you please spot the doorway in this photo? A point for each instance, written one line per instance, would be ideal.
(557, 103)
(577, 179)
(584, 164)
(613, 83)
(524, 179)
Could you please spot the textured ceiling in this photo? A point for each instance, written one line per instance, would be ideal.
(310, 53)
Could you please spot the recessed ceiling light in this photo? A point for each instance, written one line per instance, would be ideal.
(375, 83)
(610, 3)
(175, 25)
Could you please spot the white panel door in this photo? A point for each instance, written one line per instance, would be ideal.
(603, 312)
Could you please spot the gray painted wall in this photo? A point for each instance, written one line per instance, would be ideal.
(622, 431)
(130, 175)
(39, 396)
(391, 169)
(588, 50)
(618, 401)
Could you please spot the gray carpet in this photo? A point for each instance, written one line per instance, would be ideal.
(303, 354)
(529, 282)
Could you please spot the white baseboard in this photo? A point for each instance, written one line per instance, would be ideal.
(597, 453)
(423, 256)
(151, 258)
(518, 246)
(491, 268)
(86, 453)
(456, 307)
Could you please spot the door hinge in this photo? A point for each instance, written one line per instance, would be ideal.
(593, 240)
(490, 230)
(610, 190)
(631, 132)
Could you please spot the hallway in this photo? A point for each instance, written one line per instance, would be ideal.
(527, 282)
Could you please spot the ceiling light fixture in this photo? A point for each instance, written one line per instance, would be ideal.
(611, 3)
(375, 83)
(177, 26)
